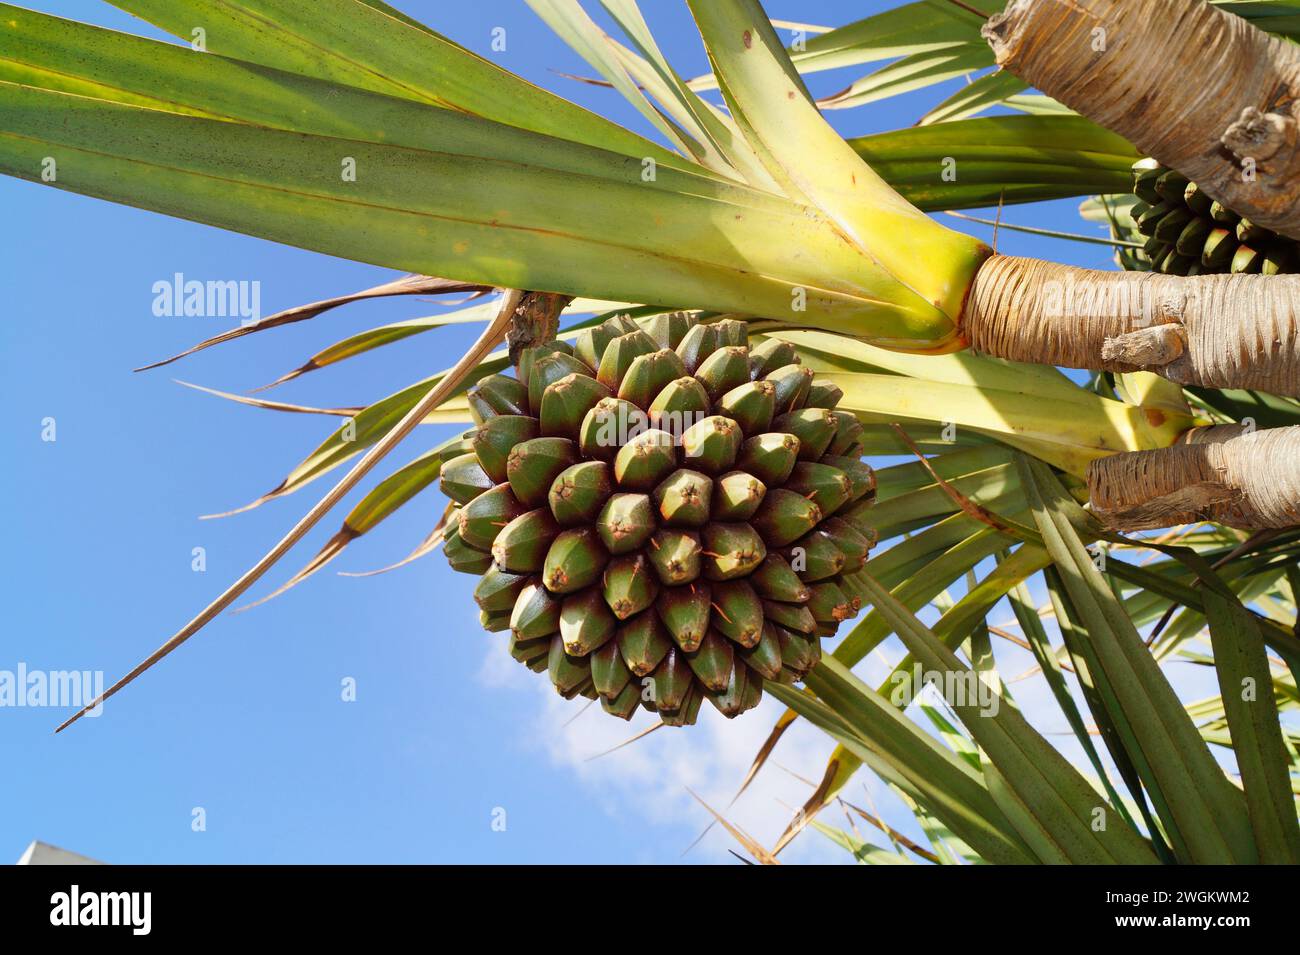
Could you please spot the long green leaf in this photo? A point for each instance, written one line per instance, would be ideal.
(508, 222)
(355, 43)
(865, 852)
(975, 97)
(916, 552)
(989, 160)
(380, 503)
(916, 592)
(914, 72)
(394, 332)
(1208, 813)
(947, 846)
(996, 486)
(66, 56)
(1064, 817)
(1112, 725)
(652, 69)
(1031, 625)
(1246, 684)
(902, 31)
(893, 745)
(970, 611)
(1267, 411)
(571, 23)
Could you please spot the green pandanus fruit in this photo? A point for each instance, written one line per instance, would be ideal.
(660, 515)
(1188, 233)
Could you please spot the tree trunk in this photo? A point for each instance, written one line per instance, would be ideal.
(1218, 331)
(1239, 477)
(1199, 89)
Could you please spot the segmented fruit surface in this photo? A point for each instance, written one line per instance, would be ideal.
(1187, 233)
(660, 515)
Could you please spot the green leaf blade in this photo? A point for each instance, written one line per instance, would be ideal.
(1246, 684)
(1208, 813)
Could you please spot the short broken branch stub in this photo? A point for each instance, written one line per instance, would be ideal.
(1146, 347)
(1260, 136)
(996, 30)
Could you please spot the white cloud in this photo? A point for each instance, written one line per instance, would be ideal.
(646, 782)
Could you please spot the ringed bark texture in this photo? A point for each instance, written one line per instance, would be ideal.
(1219, 331)
(1246, 479)
(1199, 89)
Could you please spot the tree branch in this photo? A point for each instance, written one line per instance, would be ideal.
(1229, 474)
(1218, 331)
(1201, 90)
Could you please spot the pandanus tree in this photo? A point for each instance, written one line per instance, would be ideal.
(788, 286)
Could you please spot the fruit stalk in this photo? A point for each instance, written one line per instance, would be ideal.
(535, 322)
(1129, 66)
(1227, 473)
(1218, 331)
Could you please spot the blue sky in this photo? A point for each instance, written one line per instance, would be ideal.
(246, 722)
